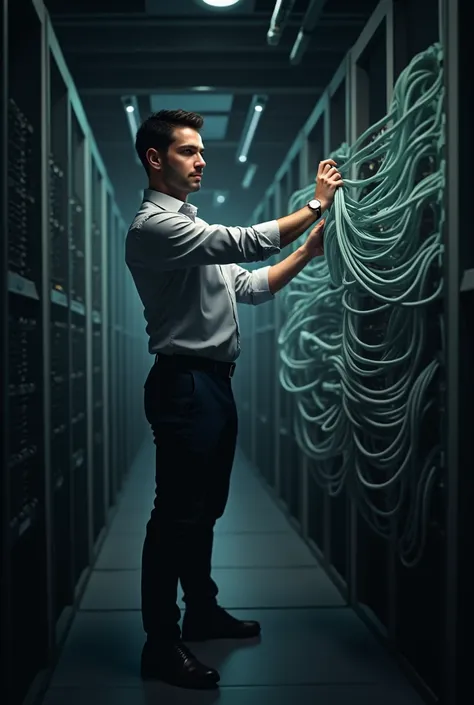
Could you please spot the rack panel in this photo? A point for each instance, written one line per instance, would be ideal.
(26, 570)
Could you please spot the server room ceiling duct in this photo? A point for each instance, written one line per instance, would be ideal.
(280, 16)
(311, 18)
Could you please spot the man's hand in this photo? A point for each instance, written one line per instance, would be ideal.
(314, 245)
(328, 180)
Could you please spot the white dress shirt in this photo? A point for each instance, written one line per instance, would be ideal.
(188, 279)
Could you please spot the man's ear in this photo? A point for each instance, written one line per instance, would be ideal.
(154, 159)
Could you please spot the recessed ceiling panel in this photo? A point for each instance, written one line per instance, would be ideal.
(215, 127)
(193, 102)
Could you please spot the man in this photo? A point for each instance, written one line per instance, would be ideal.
(188, 279)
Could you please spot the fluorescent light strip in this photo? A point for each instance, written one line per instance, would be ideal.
(133, 124)
(249, 175)
(250, 133)
(133, 118)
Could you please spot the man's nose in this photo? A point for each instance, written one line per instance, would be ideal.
(200, 162)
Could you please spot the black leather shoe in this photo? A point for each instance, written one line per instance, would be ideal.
(217, 624)
(175, 664)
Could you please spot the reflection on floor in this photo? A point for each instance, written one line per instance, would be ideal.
(313, 649)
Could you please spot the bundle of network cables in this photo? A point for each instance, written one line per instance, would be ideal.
(356, 344)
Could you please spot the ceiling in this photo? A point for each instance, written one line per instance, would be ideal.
(164, 52)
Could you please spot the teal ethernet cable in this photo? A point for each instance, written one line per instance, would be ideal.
(355, 323)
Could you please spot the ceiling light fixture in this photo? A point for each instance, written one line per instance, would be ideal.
(249, 176)
(256, 109)
(220, 3)
(219, 197)
(130, 103)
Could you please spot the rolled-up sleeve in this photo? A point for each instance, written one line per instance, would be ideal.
(250, 287)
(165, 241)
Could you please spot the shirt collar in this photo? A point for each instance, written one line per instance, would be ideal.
(163, 200)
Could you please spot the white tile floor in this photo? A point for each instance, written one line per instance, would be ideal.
(313, 649)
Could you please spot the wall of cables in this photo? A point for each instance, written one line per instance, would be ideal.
(349, 381)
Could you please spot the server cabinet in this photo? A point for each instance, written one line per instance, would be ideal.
(371, 557)
(121, 363)
(110, 365)
(26, 576)
(419, 602)
(245, 379)
(419, 599)
(326, 512)
(78, 343)
(264, 360)
(61, 535)
(275, 411)
(338, 543)
(4, 455)
(289, 456)
(102, 251)
(97, 333)
(459, 306)
(56, 477)
(113, 376)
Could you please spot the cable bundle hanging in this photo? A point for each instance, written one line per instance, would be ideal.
(311, 352)
(354, 345)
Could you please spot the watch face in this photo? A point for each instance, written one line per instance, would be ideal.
(314, 204)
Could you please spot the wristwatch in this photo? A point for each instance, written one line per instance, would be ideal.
(315, 206)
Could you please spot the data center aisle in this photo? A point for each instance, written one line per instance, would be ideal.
(313, 649)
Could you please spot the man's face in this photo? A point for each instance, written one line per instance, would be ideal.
(183, 164)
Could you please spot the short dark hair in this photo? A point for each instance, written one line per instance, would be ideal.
(157, 130)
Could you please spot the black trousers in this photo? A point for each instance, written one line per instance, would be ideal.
(194, 420)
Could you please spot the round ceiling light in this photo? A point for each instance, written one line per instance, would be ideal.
(220, 3)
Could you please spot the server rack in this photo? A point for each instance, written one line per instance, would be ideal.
(110, 378)
(264, 351)
(27, 614)
(4, 645)
(459, 398)
(371, 81)
(71, 414)
(324, 518)
(119, 381)
(114, 450)
(423, 613)
(289, 470)
(59, 275)
(96, 362)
